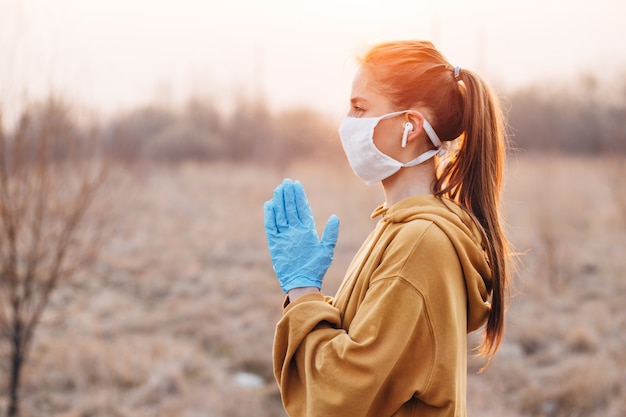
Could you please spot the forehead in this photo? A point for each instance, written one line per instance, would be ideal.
(363, 88)
(361, 83)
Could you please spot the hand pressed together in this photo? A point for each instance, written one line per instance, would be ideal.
(299, 257)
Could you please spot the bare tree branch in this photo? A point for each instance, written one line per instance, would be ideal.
(49, 181)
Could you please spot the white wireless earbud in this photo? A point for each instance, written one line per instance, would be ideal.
(408, 127)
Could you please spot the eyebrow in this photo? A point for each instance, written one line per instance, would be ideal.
(357, 99)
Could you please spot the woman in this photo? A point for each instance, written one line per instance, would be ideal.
(393, 341)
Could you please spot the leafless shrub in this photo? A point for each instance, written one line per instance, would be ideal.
(180, 142)
(199, 132)
(583, 118)
(48, 184)
(124, 138)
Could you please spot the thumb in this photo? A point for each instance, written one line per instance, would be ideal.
(331, 232)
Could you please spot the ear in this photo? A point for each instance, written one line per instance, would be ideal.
(417, 120)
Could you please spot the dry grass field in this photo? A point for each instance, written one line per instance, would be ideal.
(177, 316)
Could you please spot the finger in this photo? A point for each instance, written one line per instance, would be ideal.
(302, 205)
(331, 232)
(291, 211)
(269, 218)
(279, 207)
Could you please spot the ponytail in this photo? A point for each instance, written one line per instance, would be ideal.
(474, 179)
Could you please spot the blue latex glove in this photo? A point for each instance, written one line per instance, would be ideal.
(299, 257)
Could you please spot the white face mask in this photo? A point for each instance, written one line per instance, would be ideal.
(366, 160)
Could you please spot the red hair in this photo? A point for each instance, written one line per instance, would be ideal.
(460, 106)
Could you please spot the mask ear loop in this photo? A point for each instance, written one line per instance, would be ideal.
(431, 134)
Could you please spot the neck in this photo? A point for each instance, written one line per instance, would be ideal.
(408, 182)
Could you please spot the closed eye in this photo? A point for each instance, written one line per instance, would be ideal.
(356, 106)
(357, 109)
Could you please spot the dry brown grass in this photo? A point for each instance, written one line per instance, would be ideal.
(184, 297)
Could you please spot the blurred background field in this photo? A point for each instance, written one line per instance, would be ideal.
(198, 112)
(176, 315)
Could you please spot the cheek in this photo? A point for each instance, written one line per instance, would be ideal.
(387, 139)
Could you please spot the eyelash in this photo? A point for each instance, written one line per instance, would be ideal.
(358, 109)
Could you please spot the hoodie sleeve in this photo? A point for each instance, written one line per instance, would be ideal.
(370, 370)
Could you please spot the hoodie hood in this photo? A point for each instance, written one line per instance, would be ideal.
(464, 235)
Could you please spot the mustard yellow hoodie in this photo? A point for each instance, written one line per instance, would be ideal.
(393, 341)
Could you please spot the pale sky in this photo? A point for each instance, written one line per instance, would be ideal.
(113, 55)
